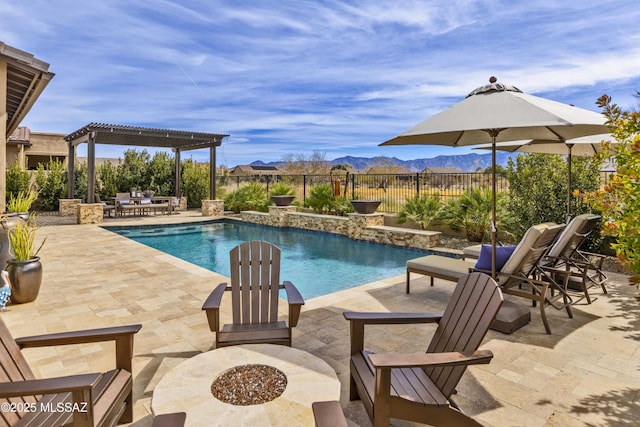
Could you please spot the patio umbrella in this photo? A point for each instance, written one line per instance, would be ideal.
(585, 146)
(498, 112)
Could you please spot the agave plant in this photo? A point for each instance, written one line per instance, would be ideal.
(420, 209)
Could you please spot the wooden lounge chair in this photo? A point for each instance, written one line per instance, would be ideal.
(573, 266)
(522, 268)
(101, 399)
(418, 387)
(255, 285)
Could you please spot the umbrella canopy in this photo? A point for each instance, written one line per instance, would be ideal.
(585, 146)
(498, 112)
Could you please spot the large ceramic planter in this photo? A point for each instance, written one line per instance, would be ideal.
(365, 206)
(7, 222)
(25, 277)
(282, 200)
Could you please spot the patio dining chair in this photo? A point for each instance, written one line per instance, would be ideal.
(419, 387)
(255, 286)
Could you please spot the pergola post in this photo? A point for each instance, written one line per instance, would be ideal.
(178, 169)
(212, 171)
(91, 166)
(71, 160)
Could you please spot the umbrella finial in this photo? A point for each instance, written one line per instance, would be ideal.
(494, 86)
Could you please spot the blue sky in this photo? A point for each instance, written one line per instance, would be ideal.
(292, 77)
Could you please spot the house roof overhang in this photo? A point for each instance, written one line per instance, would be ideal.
(144, 137)
(27, 77)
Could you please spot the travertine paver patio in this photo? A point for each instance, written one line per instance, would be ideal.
(586, 373)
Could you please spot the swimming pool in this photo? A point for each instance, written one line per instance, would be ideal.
(317, 263)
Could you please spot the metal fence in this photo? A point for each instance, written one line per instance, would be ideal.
(391, 189)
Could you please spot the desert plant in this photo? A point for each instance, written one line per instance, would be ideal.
(281, 188)
(251, 196)
(420, 209)
(471, 212)
(22, 238)
(321, 198)
(22, 201)
(342, 206)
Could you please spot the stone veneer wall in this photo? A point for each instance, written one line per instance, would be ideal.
(356, 226)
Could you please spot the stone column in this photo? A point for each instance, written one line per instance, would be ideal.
(358, 222)
(68, 207)
(279, 215)
(90, 213)
(212, 207)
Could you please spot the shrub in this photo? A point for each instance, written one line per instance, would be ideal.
(342, 206)
(421, 209)
(321, 198)
(249, 197)
(619, 201)
(281, 188)
(51, 181)
(195, 183)
(17, 180)
(471, 212)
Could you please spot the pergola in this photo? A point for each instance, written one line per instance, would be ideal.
(177, 140)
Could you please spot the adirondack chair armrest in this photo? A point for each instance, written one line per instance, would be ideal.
(429, 360)
(122, 335)
(295, 301)
(358, 320)
(79, 337)
(71, 383)
(370, 318)
(212, 306)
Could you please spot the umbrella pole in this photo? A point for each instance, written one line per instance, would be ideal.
(568, 218)
(494, 230)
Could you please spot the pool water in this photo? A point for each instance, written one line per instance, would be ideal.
(317, 263)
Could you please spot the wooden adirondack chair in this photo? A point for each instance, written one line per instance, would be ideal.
(255, 285)
(100, 399)
(418, 387)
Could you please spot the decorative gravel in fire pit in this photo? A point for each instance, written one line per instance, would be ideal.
(249, 385)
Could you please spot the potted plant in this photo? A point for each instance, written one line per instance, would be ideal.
(25, 268)
(21, 203)
(281, 194)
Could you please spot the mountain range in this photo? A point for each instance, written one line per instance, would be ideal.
(465, 162)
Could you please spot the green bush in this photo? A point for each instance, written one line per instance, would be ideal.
(538, 191)
(321, 198)
(51, 181)
(17, 180)
(195, 183)
(250, 197)
(472, 212)
(107, 178)
(281, 188)
(421, 209)
(342, 206)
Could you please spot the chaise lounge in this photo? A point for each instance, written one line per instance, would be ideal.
(520, 268)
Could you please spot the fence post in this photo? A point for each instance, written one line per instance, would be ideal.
(304, 187)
